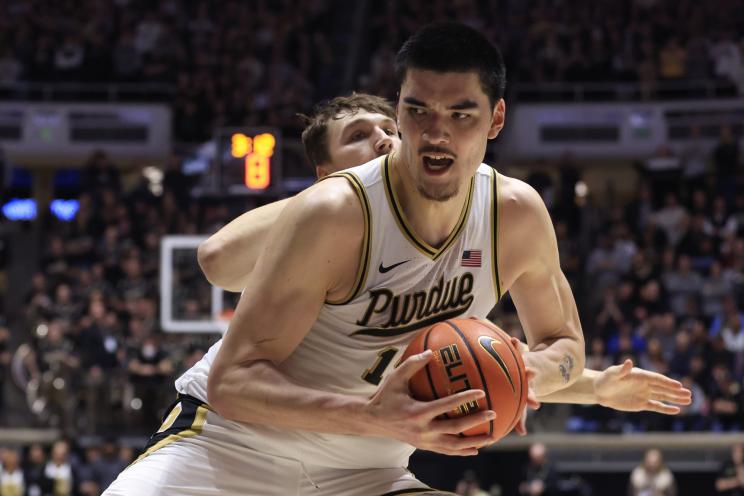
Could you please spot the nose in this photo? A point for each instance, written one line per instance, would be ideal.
(435, 132)
(384, 143)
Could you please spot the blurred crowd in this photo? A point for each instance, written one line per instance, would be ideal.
(229, 63)
(248, 63)
(94, 356)
(648, 42)
(660, 280)
(62, 469)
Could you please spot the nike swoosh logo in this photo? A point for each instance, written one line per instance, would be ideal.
(384, 269)
(486, 343)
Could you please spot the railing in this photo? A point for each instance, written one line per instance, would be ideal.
(78, 91)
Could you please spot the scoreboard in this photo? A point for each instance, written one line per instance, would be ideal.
(250, 160)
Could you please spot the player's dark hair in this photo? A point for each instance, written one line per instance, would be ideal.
(453, 47)
(315, 135)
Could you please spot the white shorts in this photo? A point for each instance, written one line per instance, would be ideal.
(194, 453)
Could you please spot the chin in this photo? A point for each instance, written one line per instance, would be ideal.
(439, 195)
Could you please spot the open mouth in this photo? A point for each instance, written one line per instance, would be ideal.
(437, 163)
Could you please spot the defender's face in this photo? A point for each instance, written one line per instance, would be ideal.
(445, 122)
(354, 139)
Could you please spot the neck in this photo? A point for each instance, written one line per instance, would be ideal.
(433, 221)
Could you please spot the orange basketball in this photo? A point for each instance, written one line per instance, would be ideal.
(472, 354)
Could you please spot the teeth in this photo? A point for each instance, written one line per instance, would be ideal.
(437, 156)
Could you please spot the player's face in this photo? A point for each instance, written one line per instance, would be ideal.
(445, 122)
(354, 139)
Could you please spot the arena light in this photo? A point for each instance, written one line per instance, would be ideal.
(64, 209)
(20, 209)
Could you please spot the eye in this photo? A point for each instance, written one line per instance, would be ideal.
(416, 111)
(459, 116)
(358, 135)
(391, 132)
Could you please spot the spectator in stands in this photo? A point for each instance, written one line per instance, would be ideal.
(469, 485)
(673, 60)
(12, 482)
(653, 359)
(149, 368)
(672, 219)
(729, 310)
(730, 480)
(681, 284)
(726, 160)
(539, 476)
(99, 174)
(87, 479)
(720, 224)
(716, 286)
(59, 469)
(727, 409)
(652, 477)
(597, 358)
(34, 472)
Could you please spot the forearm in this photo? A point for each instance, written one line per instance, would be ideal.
(228, 257)
(557, 363)
(581, 392)
(261, 394)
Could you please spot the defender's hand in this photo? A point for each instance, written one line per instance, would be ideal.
(397, 414)
(630, 389)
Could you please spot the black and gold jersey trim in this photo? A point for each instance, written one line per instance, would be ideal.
(400, 219)
(185, 417)
(495, 232)
(363, 270)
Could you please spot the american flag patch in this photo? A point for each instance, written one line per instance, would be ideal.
(471, 258)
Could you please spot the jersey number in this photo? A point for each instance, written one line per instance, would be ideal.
(373, 375)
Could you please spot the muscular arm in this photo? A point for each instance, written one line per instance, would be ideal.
(277, 310)
(229, 255)
(546, 307)
(311, 255)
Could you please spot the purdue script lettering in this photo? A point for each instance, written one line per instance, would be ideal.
(412, 311)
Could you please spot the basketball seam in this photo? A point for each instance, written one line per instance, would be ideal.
(428, 368)
(480, 372)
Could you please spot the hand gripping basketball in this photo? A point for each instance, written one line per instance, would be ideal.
(395, 413)
(472, 354)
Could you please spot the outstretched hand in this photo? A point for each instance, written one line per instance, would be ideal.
(630, 389)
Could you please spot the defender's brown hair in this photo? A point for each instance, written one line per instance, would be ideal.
(315, 135)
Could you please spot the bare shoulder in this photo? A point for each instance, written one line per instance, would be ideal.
(525, 231)
(520, 204)
(332, 203)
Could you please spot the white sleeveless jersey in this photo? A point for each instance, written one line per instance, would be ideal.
(402, 285)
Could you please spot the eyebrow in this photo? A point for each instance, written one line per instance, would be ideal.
(464, 105)
(364, 120)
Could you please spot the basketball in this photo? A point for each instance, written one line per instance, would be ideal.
(472, 354)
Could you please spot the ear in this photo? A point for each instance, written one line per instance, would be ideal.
(497, 119)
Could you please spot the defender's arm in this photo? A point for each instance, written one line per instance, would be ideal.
(228, 256)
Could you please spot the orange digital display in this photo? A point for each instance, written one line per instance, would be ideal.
(257, 151)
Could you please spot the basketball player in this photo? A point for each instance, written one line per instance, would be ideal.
(299, 396)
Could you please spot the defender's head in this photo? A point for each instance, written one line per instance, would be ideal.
(348, 131)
